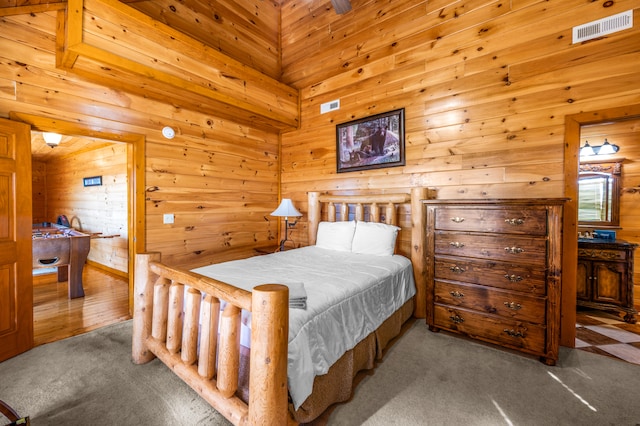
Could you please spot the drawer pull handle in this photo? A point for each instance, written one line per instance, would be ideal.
(457, 294)
(514, 221)
(456, 244)
(513, 278)
(513, 305)
(457, 219)
(514, 250)
(456, 318)
(48, 261)
(514, 333)
(457, 269)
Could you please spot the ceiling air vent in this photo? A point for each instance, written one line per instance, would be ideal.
(604, 26)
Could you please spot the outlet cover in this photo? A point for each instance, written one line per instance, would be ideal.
(167, 218)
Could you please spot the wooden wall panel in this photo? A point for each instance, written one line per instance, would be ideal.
(485, 86)
(97, 210)
(39, 191)
(218, 177)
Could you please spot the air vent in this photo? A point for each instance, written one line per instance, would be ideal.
(604, 26)
(330, 106)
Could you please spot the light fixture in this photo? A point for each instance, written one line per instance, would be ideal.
(605, 149)
(286, 209)
(52, 139)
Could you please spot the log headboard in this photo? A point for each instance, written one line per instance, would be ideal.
(380, 208)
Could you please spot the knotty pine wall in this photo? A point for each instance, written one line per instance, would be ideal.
(218, 177)
(486, 86)
(39, 192)
(99, 210)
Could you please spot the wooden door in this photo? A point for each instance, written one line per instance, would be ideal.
(583, 280)
(609, 279)
(16, 280)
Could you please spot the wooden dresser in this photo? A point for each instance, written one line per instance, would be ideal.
(494, 271)
(605, 276)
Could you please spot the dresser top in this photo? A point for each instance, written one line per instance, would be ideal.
(498, 201)
(601, 243)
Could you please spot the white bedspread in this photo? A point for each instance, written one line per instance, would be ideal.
(349, 295)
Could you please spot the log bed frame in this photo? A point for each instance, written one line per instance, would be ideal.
(166, 319)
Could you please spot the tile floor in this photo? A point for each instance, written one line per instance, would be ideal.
(605, 333)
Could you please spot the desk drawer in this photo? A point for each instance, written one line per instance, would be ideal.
(497, 247)
(516, 334)
(506, 220)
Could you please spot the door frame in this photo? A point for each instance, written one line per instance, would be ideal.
(573, 124)
(135, 174)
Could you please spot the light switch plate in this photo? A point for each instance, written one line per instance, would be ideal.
(167, 218)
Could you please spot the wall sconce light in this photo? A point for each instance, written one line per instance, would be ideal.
(52, 139)
(286, 209)
(605, 149)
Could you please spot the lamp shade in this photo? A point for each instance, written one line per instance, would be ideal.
(51, 139)
(607, 148)
(286, 209)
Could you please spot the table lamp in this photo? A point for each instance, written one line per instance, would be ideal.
(286, 209)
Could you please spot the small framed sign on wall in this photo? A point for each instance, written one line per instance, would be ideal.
(371, 143)
(92, 181)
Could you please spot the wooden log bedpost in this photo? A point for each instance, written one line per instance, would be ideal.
(269, 352)
(143, 307)
(314, 215)
(417, 249)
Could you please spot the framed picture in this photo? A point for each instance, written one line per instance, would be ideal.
(371, 143)
(92, 181)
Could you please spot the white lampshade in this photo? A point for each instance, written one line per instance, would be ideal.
(51, 139)
(286, 209)
(586, 150)
(607, 148)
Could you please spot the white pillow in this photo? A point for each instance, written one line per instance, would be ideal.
(374, 238)
(335, 235)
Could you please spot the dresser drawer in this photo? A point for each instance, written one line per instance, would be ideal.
(516, 334)
(508, 276)
(506, 304)
(509, 220)
(498, 247)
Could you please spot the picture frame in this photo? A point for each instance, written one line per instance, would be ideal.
(92, 181)
(370, 143)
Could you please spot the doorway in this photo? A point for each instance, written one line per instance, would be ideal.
(80, 183)
(573, 126)
(135, 177)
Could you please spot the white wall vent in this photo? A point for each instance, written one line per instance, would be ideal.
(604, 26)
(330, 106)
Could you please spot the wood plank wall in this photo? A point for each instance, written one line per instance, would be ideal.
(485, 84)
(100, 210)
(219, 178)
(39, 191)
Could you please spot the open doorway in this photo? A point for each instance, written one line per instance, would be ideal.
(575, 133)
(133, 147)
(79, 185)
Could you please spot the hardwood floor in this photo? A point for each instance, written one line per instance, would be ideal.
(56, 317)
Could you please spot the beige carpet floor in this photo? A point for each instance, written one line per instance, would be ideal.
(425, 379)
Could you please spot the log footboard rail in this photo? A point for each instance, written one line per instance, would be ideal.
(178, 319)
